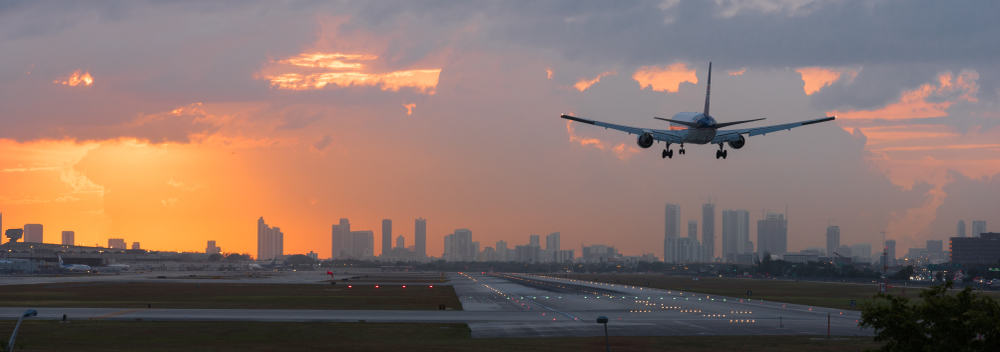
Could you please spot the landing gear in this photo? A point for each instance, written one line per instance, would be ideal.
(721, 153)
(669, 153)
(681, 150)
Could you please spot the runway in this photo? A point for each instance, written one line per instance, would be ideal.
(518, 305)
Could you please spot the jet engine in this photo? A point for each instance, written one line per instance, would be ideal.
(645, 140)
(737, 144)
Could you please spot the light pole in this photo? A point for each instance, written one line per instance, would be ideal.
(604, 320)
(27, 313)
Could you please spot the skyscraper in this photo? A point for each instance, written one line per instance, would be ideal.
(534, 241)
(340, 239)
(735, 233)
(671, 231)
(458, 246)
(832, 240)
(978, 228)
(420, 237)
(386, 236)
(33, 233)
(362, 244)
(270, 241)
(400, 243)
(708, 230)
(960, 231)
(502, 251)
(772, 235)
(890, 249)
(551, 247)
(693, 229)
(68, 238)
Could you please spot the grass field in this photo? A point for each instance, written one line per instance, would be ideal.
(227, 295)
(833, 295)
(248, 336)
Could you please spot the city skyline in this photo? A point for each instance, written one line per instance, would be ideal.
(153, 137)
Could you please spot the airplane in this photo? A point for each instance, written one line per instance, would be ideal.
(72, 267)
(702, 128)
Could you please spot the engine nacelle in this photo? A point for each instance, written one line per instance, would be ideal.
(645, 140)
(738, 143)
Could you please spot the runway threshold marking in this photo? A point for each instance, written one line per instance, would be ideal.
(118, 313)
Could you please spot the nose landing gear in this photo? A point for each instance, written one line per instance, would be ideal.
(667, 153)
(681, 150)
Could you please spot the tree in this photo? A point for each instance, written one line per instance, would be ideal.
(903, 274)
(214, 257)
(939, 321)
(299, 259)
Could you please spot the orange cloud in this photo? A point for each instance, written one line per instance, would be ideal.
(314, 71)
(927, 101)
(739, 72)
(409, 108)
(548, 73)
(584, 83)
(815, 79)
(77, 78)
(665, 79)
(622, 150)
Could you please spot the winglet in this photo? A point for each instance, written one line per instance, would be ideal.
(708, 88)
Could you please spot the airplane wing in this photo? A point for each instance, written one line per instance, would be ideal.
(733, 135)
(660, 135)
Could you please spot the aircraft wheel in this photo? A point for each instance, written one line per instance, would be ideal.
(670, 154)
(725, 153)
(718, 154)
(664, 154)
(681, 151)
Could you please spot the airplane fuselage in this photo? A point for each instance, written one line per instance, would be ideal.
(703, 133)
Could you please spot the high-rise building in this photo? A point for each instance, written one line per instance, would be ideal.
(598, 253)
(935, 246)
(362, 244)
(503, 253)
(890, 250)
(832, 240)
(400, 242)
(1, 224)
(552, 247)
(340, 238)
(386, 236)
(135, 245)
(708, 230)
(116, 243)
(772, 235)
(671, 231)
(978, 228)
(211, 248)
(735, 234)
(960, 230)
(68, 238)
(459, 247)
(861, 253)
(270, 241)
(420, 237)
(33, 233)
(534, 241)
(693, 229)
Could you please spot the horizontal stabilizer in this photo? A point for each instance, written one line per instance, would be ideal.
(724, 124)
(679, 122)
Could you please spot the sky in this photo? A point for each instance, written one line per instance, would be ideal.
(171, 123)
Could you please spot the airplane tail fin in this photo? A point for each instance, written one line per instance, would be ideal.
(708, 87)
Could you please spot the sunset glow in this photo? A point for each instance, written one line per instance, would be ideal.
(665, 79)
(816, 78)
(77, 78)
(585, 83)
(313, 71)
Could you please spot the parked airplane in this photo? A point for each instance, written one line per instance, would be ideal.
(701, 128)
(72, 267)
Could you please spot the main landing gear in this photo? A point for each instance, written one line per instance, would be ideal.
(668, 153)
(721, 153)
